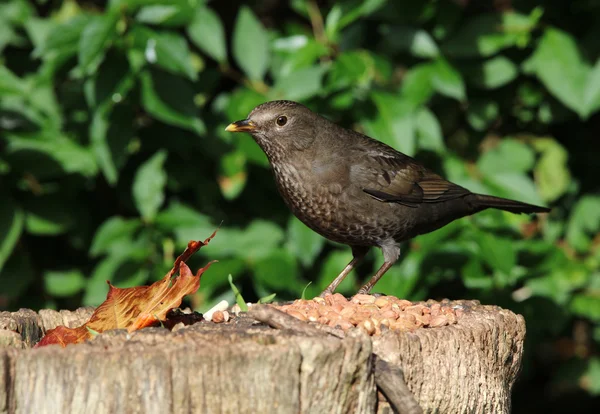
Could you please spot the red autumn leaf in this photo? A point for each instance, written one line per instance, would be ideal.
(63, 336)
(137, 307)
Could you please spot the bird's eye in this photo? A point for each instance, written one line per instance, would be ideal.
(281, 120)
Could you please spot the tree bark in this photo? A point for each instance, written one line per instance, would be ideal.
(248, 367)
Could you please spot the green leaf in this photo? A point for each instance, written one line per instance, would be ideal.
(447, 80)
(487, 34)
(417, 85)
(186, 223)
(593, 372)
(332, 22)
(298, 51)
(46, 215)
(259, 239)
(71, 156)
(149, 186)
(584, 223)
(168, 50)
(299, 85)
(38, 31)
(11, 227)
(497, 252)
(492, 73)
(207, 32)
(415, 41)
(39, 104)
(277, 271)
(156, 13)
(587, 305)
(302, 242)
(94, 40)
(7, 34)
(62, 39)
(16, 12)
(64, 283)
(474, 277)
(170, 99)
(509, 156)
(238, 296)
(111, 82)
(482, 113)
(112, 234)
(233, 174)
(394, 123)
(429, 131)
(111, 130)
(343, 14)
(303, 295)
(559, 282)
(552, 173)
(591, 92)
(10, 83)
(267, 299)
(251, 44)
(110, 134)
(178, 214)
(352, 69)
(174, 13)
(558, 63)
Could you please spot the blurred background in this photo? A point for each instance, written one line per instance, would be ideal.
(113, 153)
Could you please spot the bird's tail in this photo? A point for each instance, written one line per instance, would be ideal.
(482, 202)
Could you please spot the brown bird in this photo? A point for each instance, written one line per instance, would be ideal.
(355, 190)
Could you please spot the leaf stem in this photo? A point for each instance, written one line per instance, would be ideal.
(316, 21)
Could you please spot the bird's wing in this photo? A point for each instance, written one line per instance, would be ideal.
(391, 176)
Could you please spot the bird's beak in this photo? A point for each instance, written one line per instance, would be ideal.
(244, 125)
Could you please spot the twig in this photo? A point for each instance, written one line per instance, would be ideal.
(390, 381)
(316, 21)
(257, 85)
(281, 320)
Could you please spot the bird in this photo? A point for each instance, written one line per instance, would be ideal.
(356, 190)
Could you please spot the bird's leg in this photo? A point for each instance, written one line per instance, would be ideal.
(369, 285)
(391, 252)
(358, 254)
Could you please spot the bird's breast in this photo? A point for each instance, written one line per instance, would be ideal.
(330, 205)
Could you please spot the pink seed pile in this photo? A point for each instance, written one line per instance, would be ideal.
(372, 314)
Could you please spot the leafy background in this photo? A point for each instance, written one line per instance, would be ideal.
(113, 153)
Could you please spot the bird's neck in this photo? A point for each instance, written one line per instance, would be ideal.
(274, 150)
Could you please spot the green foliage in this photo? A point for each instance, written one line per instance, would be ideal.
(113, 153)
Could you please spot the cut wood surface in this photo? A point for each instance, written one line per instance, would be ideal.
(279, 365)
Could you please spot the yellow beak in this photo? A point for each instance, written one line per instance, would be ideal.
(244, 125)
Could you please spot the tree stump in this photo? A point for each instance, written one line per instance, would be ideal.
(245, 366)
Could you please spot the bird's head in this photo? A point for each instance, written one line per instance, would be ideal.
(279, 127)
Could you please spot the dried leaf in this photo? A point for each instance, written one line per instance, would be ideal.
(137, 307)
(64, 336)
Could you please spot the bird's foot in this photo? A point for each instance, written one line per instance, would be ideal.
(365, 290)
